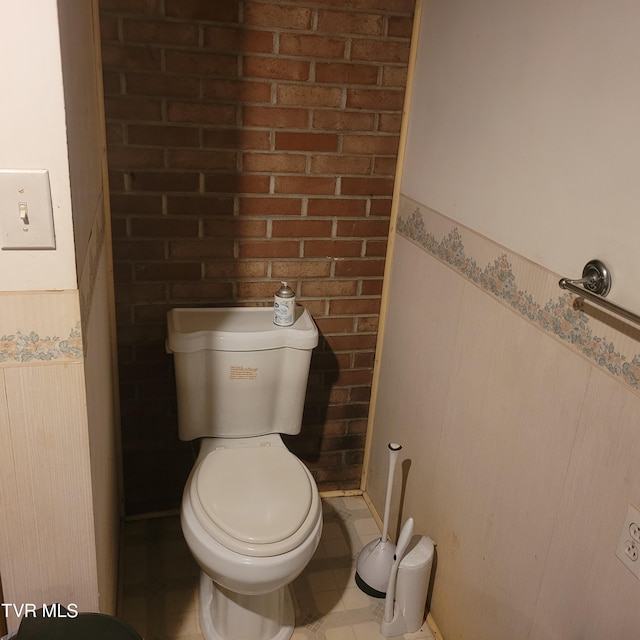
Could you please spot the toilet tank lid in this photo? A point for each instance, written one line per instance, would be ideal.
(237, 329)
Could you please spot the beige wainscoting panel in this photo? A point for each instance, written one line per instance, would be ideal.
(511, 415)
(414, 375)
(586, 591)
(45, 494)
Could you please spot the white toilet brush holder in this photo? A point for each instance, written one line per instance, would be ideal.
(404, 610)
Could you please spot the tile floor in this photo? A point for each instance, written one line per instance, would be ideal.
(159, 593)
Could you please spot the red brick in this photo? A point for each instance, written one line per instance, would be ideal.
(131, 6)
(108, 28)
(164, 181)
(200, 204)
(205, 291)
(394, 77)
(390, 122)
(272, 15)
(126, 108)
(156, 32)
(138, 250)
(167, 271)
(339, 120)
(290, 118)
(201, 113)
(274, 162)
(312, 45)
(336, 73)
(308, 95)
(111, 82)
(134, 203)
(332, 325)
(156, 84)
(330, 288)
(201, 63)
(372, 287)
(255, 289)
(337, 207)
(376, 248)
(163, 135)
(305, 185)
(201, 160)
(275, 68)
(367, 186)
(140, 292)
(351, 22)
(378, 144)
(296, 228)
(202, 248)
(341, 164)
(366, 268)
(119, 56)
(349, 342)
(363, 228)
(380, 50)
(400, 26)
(270, 206)
(236, 90)
(269, 249)
(303, 269)
(234, 228)
(385, 166)
(235, 269)
(375, 99)
(218, 11)
(135, 158)
(236, 138)
(217, 38)
(236, 183)
(380, 207)
(116, 180)
(163, 227)
(332, 248)
(293, 141)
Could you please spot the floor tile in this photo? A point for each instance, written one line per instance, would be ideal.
(159, 595)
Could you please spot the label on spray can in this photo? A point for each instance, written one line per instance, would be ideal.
(284, 306)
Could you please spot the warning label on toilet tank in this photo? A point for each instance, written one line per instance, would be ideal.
(243, 373)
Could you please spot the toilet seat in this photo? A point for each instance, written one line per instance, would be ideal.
(257, 501)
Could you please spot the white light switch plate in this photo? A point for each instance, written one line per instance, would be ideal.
(26, 214)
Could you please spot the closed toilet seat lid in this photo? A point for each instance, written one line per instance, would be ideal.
(258, 501)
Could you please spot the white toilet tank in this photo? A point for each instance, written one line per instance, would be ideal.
(238, 374)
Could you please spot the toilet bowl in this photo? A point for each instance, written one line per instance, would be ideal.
(252, 519)
(255, 531)
(251, 513)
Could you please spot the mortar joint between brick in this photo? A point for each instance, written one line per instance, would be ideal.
(347, 49)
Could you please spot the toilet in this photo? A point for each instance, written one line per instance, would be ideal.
(251, 513)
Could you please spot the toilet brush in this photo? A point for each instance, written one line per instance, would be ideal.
(393, 624)
(376, 558)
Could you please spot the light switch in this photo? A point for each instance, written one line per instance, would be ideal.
(26, 214)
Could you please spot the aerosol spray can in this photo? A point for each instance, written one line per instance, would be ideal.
(284, 306)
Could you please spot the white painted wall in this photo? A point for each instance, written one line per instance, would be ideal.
(33, 136)
(524, 126)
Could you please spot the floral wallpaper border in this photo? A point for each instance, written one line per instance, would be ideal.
(560, 316)
(23, 347)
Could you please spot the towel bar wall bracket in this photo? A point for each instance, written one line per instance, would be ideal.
(596, 284)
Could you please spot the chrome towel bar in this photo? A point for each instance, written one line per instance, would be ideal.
(596, 281)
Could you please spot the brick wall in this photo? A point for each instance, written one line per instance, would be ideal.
(250, 142)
